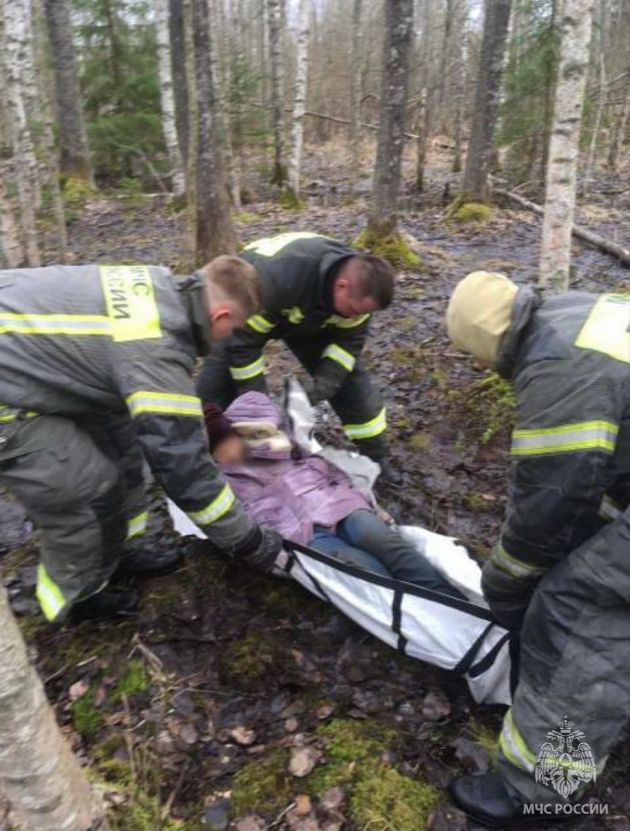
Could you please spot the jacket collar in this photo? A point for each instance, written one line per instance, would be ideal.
(195, 298)
(526, 302)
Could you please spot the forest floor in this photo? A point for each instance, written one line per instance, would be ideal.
(241, 699)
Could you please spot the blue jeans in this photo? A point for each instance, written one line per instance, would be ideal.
(363, 540)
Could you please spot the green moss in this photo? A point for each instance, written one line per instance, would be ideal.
(244, 217)
(473, 212)
(385, 800)
(86, 717)
(263, 785)
(249, 661)
(349, 745)
(491, 404)
(487, 738)
(402, 423)
(31, 625)
(76, 192)
(133, 682)
(290, 202)
(475, 502)
(391, 247)
(420, 442)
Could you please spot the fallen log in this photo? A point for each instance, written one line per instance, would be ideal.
(603, 243)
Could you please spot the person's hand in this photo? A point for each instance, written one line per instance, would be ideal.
(508, 615)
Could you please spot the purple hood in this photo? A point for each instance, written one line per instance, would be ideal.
(288, 494)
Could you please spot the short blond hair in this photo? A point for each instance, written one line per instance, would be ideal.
(234, 279)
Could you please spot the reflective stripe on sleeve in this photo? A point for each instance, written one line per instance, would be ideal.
(567, 438)
(215, 509)
(346, 322)
(244, 373)
(513, 566)
(369, 429)
(342, 356)
(513, 745)
(27, 324)
(137, 525)
(163, 403)
(49, 595)
(8, 414)
(260, 324)
(607, 328)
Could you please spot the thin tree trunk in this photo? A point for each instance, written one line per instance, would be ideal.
(178, 74)
(11, 252)
(357, 36)
(215, 232)
(167, 99)
(75, 156)
(391, 137)
(601, 100)
(577, 16)
(299, 104)
(42, 780)
(277, 89)
(481, 145)
(422, 140)
(619, 132)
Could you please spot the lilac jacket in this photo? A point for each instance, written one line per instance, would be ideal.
(282, 490)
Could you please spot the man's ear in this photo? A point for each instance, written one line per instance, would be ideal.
(342, 281)
(220, 313)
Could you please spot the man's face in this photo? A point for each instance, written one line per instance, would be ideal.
(347, 298)
(225, 319)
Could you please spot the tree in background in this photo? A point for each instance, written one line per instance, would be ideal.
(299, 107)
(564, 144)
(382, 227)
(276, 27)
(214, 229)
(475, 187)
(167, 98)
(42, 780)
(74, 160)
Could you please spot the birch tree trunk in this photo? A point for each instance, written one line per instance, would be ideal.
(299, 104)
(178, 73)
(274, 8)
(11, 252)
(42, 780)
(356, 83)
(26, 172)
(215, 233)
(592, 148)
(382, 219)
(75, 156)
(481, 144)
(619, 132)
(167, 99)
(576, 25)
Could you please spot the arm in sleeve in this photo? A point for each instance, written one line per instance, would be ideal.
(345, 339)
(155, 382)
(562, 456)
(245, 353)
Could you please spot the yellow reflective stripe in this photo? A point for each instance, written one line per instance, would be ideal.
(164, 403)
(346, 322)
(607, 328)
(8, 413)
(513, 566)
(342, 356)
(368, 429)
(294, 315)
(567, 438)
(215, 509)
(49, 595)
(260, 324)
(130, 299)
(244, 373)
(513, 745)
(269, 246)
(57, 324)
(137, 525)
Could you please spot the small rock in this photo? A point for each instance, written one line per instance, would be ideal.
(303, 760)
(250, 823)
(291, 724)
(472, 757)
(325, 711)
(217, 815)
(334, 799)
(367, 701)
(303, 805)
(243, 736)
(436, 706)
(164, 743)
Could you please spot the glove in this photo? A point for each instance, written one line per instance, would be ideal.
(321, 388)
(260, 548)
(508, 616)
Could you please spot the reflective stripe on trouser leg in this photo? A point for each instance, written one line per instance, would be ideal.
(513, 746)
(244, 373)
(368, 429)
(137, 525)
(215, 509)
(49, 595)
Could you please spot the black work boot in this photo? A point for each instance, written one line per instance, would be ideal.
(488, 801)
(143, 562)
(390, 474)
(105, 604)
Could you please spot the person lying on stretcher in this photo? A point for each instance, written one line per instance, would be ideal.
(304, 497)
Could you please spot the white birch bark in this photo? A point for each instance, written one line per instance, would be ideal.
(167, 99)
(576, 26)
(274, 8)
(357, 38)
(39, 775)
(26, 172)
(299, 103)
(11, 252)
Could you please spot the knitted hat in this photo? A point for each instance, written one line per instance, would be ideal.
(479, 314)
